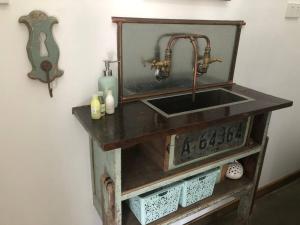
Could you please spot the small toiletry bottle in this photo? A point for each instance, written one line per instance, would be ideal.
(109, 102)
(95, 108)
(102, 102)
(109, 82)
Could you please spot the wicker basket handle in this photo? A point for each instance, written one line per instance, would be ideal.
(202, 178)
(164, 193)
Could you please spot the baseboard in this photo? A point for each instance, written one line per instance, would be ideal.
(277, 184)
(259, 194)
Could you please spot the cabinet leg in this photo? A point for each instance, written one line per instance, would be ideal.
(247, 200)
(244, 209)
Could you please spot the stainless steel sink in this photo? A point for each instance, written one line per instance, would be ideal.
(180, 104)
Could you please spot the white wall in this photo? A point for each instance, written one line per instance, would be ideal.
(44, 157)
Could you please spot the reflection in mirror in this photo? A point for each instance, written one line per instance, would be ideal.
(144, 57)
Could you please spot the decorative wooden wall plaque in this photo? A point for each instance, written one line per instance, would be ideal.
(42, 50)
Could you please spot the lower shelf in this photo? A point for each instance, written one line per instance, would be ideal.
(223, 190)
(137, 179)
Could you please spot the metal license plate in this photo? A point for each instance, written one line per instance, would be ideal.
(209, 141)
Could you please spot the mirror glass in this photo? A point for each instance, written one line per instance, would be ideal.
(141, 43)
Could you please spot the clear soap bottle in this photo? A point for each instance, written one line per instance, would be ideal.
(109, 82)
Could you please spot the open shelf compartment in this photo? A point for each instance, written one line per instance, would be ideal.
(143, 171)
(143, 164)
(141, 174)
(226, 189)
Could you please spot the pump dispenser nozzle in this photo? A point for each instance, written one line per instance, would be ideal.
(108, 71)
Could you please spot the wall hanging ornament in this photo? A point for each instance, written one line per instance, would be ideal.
(42, 50)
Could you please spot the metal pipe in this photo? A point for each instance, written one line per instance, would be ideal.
(194, 42)
(165, 65)
(195, 46)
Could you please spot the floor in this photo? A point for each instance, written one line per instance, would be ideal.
(281, 207)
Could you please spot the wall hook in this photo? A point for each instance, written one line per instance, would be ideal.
(47, 66)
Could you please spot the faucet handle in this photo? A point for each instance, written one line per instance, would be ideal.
(154, 64)
(212, 60)
(147, 61)
(203, 64)
(203, 60)
(159, 64)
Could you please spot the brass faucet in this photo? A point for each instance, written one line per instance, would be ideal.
(201, 63)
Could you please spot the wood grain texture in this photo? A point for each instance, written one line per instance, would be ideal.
(247, 201)
(106, 164)
(176, 21)
(139, 172)
(158, 149)
(135, 122)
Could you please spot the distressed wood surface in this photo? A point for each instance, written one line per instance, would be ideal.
(176, 21)
(106, 164)
(135, 122)
(159, 151)
(252, 161)
(134, 172)
(247, 201)
(140, 174)
(40, 34)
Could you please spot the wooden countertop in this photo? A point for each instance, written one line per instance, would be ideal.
(134, 122)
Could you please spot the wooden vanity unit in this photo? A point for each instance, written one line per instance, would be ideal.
(130, 153)
(139, 149)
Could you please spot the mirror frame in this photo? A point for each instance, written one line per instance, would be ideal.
(121, 20)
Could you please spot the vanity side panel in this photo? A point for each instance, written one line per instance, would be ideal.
(259, 132)
(106, 164)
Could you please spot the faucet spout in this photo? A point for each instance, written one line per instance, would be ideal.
(201, 64)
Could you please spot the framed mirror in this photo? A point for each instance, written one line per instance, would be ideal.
(140, 41)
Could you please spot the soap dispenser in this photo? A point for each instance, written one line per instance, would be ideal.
(109, 82)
